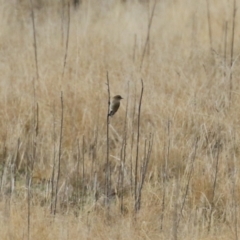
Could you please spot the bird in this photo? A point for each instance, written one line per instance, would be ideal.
(115, 105)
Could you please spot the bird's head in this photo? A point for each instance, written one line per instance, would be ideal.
(118, 97)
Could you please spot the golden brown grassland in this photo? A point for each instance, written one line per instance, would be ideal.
(190, 107)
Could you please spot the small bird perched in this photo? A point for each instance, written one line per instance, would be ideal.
(115, 105)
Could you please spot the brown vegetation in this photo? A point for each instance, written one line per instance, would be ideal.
(56, 158)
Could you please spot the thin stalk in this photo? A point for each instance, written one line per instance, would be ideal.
(134, 47)
(144, 168)
(93, 154)
(232, 49)
(54, 159)
(225, 49)
(67, 40)
(123, 151)
(14, 167)
(175, 212)
(29, 172)
(83, 171)
(3, 166)
(165, 170)
(62, 23)
(34, 38)
(137, 150)
(189, 179)
(59, 156)
(209, 24)
(107, 173)
(78, 172)
(132, 143)
(148, 33)
(214, 187)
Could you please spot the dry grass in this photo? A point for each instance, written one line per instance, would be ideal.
(185, 105)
